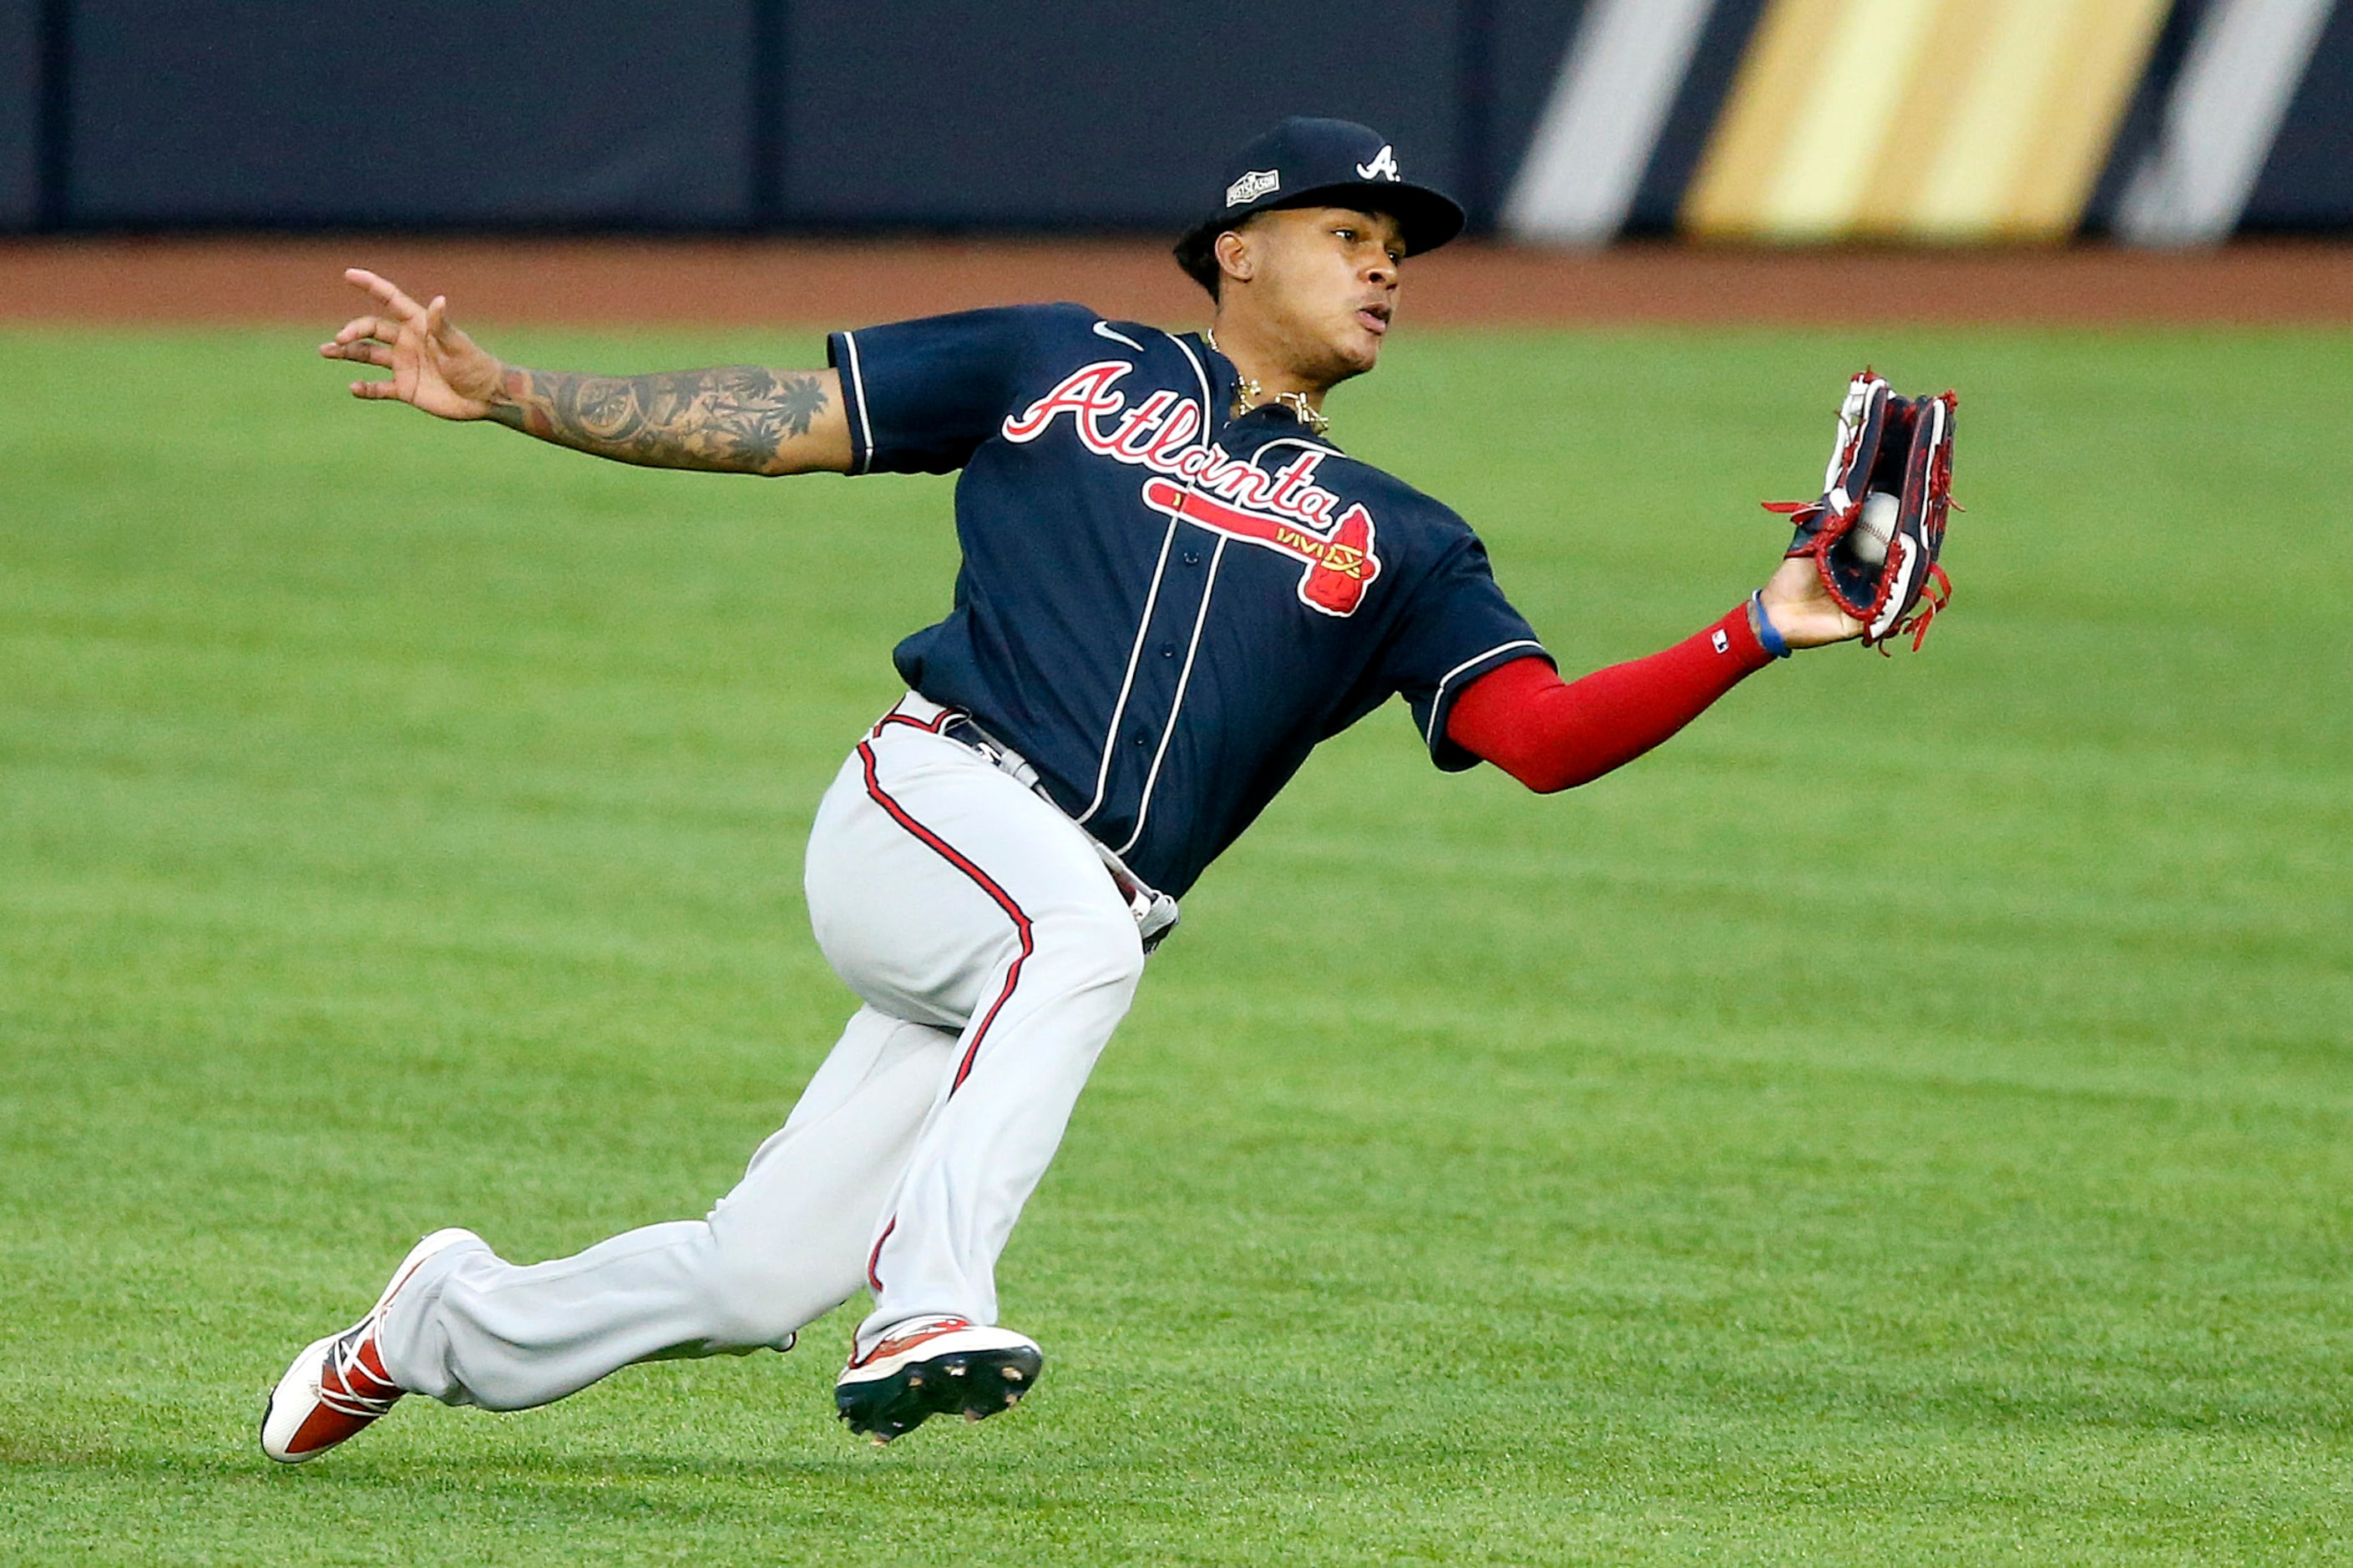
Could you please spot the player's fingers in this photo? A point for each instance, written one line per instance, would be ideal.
(436, 316)
(376, 355)
(375, 389)
(356, 328)
(372, 283)
(368, 327)
(387, 294)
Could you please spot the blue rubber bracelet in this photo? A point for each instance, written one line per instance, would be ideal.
(1765, 632)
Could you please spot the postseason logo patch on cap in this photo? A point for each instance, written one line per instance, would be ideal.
(1304, 160)
(1252, 185)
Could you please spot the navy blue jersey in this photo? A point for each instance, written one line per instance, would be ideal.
(1163, 608)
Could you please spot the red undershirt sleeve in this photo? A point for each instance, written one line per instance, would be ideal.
(1552, 734)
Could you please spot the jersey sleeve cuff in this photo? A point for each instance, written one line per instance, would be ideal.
(1449, 757)
(841, 353)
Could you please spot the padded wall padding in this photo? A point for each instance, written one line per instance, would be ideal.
(424, 112)
(1775, 120)
(1032, 113)
(20, 110)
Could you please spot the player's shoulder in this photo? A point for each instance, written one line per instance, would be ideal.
(1063, 318)
(1067, 326)
(1062, 315)
(999, 322)
(1102, 333)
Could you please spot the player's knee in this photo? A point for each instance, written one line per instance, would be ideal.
(752, 1303)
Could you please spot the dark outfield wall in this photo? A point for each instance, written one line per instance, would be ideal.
(730, 113)
(416, 112)
(20, 94)
(751, 114)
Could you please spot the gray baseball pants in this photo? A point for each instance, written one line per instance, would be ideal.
(995, 957)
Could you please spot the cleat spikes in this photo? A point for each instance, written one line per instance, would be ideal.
(943, 1367)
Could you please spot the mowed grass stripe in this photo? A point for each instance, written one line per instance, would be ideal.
(1904, 1119)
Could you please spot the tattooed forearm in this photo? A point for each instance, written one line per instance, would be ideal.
(736, 419)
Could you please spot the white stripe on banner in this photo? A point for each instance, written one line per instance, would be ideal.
(2220, 120)
(1586, 160)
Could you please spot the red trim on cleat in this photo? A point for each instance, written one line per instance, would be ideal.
(338, 1385)
(898, 1344)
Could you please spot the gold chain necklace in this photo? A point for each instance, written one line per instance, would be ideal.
(1247, 391)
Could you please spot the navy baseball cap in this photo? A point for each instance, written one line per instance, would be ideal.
(1305, 161)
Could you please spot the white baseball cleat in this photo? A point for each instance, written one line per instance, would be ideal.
(931, 1366)
(338, 1385)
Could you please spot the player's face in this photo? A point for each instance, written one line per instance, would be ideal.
(1324, 283)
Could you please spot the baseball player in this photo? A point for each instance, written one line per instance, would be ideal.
(1175, 583)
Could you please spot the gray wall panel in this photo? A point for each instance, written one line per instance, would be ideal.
(20, 87)
(411, 111)
(1034, 111)
(2308, 182)
(1530, 44)
(2140, 133)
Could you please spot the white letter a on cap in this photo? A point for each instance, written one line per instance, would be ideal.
(1382, 167)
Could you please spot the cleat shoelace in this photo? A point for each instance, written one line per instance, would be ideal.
(346, 1383)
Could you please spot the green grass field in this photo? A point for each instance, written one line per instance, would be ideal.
(1905, 1121)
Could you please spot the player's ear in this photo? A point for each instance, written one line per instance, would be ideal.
(1234, 258)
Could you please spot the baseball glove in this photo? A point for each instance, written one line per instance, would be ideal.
(1875, 534)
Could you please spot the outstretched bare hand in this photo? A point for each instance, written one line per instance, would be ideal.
(434, 366)
(1803, 611)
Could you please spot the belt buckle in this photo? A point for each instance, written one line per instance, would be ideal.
(966, 733)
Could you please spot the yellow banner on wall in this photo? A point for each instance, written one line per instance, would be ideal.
(1920, 119)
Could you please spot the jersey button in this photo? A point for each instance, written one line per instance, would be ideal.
(1168, 650)
(1192, 558)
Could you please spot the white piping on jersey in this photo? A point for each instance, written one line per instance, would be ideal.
(1177, 705)
(858, 385)
(1209, 414)
(1151, 599)
(1127, 683)
(1438, 698)
(1104, 330)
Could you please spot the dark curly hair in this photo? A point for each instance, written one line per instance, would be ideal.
(1197, 253)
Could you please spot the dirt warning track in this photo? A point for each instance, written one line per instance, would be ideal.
(732, 283)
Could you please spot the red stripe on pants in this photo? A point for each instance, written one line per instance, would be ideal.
(1003, 899)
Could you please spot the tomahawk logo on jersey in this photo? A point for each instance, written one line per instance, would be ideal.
(1212, 595)
(1287, 512)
